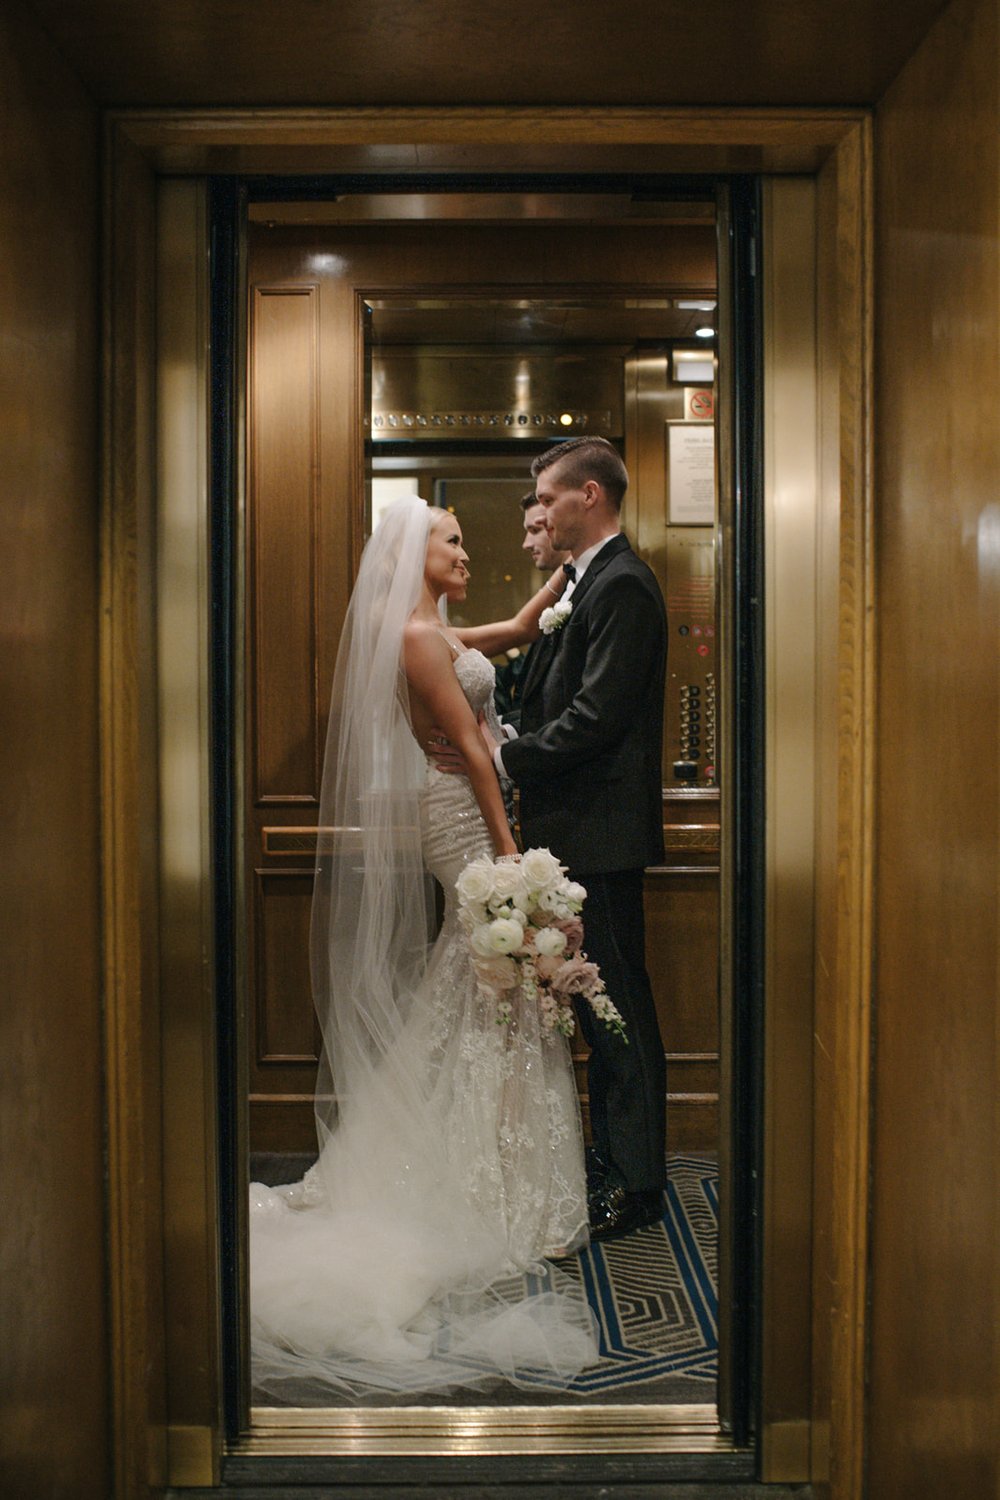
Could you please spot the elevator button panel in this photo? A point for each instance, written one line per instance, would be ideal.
(691, 745)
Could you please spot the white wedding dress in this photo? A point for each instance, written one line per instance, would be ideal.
(397, 1264)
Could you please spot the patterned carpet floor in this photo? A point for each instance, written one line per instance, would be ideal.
(654, 1295)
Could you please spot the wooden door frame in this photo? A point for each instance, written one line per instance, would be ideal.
(140, 146)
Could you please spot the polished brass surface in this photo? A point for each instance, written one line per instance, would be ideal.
(190, 1130)
(485, 1430)
(785, 1451)
(790, 522)
(725, 580)
(683, 557)
(500, 208)
(497, 393)
(191, 1457)
(690, 837)
(598, 317)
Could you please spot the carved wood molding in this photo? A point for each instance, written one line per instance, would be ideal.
(543, 139)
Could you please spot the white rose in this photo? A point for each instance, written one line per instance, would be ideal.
(550, 941)
(525, 902)
(508, 882)
(547, 620)
(563, 609)
(473, 915)
(573, 891)
(476, 881)
(540, 867)
(551, 901)
(505, 936)
(481, 940)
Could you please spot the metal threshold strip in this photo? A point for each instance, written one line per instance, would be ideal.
(484, 1430)
(431, 1449)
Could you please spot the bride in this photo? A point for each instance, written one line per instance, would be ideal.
(451, 1156)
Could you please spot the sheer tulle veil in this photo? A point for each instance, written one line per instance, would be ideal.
(376, 1273)
(372, 902)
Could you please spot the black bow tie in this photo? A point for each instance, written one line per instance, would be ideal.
(570, 570)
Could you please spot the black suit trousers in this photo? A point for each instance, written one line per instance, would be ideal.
(627, 1082)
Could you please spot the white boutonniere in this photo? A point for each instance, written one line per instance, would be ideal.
(555, 617)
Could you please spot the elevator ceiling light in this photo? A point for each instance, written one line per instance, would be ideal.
(704, 333)
(693, 366)
(566, 419)
(695, 306)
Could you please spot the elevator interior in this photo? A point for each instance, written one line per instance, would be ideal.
(402, 339)
(394, 350)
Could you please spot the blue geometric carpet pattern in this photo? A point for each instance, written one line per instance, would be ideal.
(654, 1293)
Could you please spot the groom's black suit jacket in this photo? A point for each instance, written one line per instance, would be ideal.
(588, 757)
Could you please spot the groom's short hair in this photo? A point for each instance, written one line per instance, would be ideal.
(527, 501)
(586, 458)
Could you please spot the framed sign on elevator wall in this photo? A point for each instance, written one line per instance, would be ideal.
(690, 473)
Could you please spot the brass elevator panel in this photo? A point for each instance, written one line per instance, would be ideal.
(683, 556)
(447, 393)
(690, 743)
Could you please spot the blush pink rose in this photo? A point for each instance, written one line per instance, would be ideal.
(547, 965)
(576, 976)
(572, 928)
(499, 974)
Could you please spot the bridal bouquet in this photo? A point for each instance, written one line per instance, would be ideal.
(524, 929)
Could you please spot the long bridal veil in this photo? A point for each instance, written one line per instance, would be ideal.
(379, 1272)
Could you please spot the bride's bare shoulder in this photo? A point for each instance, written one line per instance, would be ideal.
(421, 633)
(423, 644)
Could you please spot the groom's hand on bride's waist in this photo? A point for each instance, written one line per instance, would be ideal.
(444, 754)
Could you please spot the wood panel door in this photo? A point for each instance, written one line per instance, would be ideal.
(306, 509)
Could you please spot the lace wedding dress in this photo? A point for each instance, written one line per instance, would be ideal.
(397, 1264)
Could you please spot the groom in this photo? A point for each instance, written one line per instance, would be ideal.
(587, 761)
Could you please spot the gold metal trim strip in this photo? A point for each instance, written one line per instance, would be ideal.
(482, 1431)
(705, 837)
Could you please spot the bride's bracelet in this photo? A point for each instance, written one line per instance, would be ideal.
(507, 859)
(556, 594)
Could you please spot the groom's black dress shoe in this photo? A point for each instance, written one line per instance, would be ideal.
(597, 1176)
(616, 1212)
